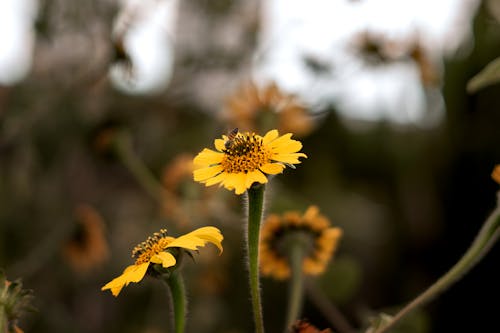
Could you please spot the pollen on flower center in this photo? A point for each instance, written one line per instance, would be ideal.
(153, 245)
(245, 153)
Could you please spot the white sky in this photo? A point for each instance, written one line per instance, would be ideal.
(323, 29)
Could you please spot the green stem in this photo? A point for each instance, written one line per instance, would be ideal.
(296, 291)
(485, 239)
(176, 285)
(255, 206)
(136, 166)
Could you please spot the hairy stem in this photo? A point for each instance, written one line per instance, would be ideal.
(178, 292)
(255, 207)
(296, 291)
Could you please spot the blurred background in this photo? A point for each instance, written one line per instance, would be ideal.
(104, 103)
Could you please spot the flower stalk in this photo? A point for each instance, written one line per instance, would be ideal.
(486, 238)
(255, 210)
(124, 150)
(175, 283)
(296, 288)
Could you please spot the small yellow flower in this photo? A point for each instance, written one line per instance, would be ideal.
(496, 174)
(155, 251)
(254, 108)
(315, 228)
(246, 158)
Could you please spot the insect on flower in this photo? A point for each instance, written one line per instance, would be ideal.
(230, 138)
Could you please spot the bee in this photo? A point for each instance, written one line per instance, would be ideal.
(230, 138)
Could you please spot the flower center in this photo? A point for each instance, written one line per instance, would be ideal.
(153, 245)
(245, 153)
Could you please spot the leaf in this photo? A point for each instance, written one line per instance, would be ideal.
(489, 75)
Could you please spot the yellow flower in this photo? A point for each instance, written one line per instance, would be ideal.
(496, 174)
(155, 251)
(254, 108)
(321, 240)
(245, 158)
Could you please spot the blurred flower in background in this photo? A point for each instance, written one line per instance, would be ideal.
(312, 228)
(260, 109)
(307, 48)
(87, 247)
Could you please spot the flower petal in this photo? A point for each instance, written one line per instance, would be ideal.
(207, 157)
(255, 176)
(290, 146)
(199, 237)
(272, 168)
(203, 174)
(217, 179)
(133, 273)
(292, 158)
(220, 144)
(270, 136)
(236, 182)
(166, 259)
(282, 140)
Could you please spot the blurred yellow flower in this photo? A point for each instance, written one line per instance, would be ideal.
(321, 239)
(242, 159)
(496, 174)
(155, 251)
(87, 247)
(259, 109)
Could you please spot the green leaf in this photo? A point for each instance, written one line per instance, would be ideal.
(489, 75)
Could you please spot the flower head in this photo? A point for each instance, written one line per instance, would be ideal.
(254, 108)
(87, 248)
(245, 158)
(160, 249)
(496, 174)
(14, 300)
(314, 231)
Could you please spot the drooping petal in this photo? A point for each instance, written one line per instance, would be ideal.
(166, 259)
(236, 181)
(208, 157)
(212, 235)
(203, 174)
(133, 273)
(197, 238)
(270, 136)
(255, 176)
(217, 179)
(272, 168)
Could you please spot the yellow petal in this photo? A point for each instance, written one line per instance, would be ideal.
(255, 176)
(207, 157)
(236, 181)
(282, 140)
(217, 179)
(199, 237)
(220, 144)
(288, 158)
(270, 136)
(311, 213)
(286, 147)
(133, 273)
(272, 168)
(206, 173)
(164, 258)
